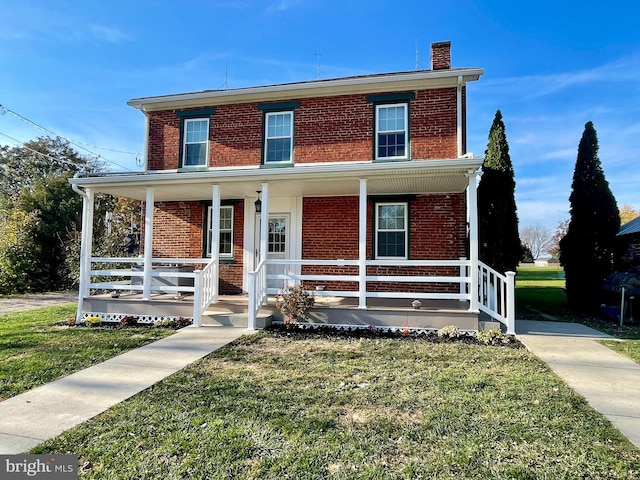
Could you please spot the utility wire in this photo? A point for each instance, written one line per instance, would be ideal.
(61, 160)
(4, 110)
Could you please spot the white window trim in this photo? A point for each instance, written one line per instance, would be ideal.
(208, 232)
(267, 137)
(186, 121)
(405, 230)
(406, 130)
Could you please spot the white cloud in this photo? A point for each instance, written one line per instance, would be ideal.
(283, 5)
(108, 34)
(625, 69)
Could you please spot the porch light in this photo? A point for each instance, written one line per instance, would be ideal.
(258, 202)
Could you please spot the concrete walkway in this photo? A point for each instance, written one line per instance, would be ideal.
(45, 412)
(606, 379)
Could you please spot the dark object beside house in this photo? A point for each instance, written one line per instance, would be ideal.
(621, 296)
(628, 247)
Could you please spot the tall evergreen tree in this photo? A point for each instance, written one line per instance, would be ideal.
(499, 241)
(587, 250)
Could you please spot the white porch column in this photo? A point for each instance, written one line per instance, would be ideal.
(86, 241)
(362, 245)
(215, 237)
(511, 303)
(459, 115)
(264, 231)
(148, 245)
(472, 208)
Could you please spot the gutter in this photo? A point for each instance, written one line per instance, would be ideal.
(264, 174)
(76, 188)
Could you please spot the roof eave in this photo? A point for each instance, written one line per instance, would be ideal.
(394, 82)
(363, 169)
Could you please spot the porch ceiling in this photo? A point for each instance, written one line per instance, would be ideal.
(417, 176)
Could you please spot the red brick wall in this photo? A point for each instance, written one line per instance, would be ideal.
(326, 129)
(437, 231)
(178, 233)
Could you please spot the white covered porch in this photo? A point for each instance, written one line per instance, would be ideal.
(478, 288)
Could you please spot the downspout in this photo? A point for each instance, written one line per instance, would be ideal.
(459, 115)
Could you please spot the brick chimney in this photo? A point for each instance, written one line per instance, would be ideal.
(441, 55)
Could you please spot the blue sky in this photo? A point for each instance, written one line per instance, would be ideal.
(550, 66)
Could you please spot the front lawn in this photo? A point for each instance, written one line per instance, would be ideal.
(36, 347)
(270, 406)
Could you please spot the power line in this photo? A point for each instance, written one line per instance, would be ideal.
(4, 110)
(62, 160)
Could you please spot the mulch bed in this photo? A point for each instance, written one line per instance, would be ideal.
(310, 332)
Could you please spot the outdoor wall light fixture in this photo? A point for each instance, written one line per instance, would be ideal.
(258, 202)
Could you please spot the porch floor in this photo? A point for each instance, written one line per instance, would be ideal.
(231, 310)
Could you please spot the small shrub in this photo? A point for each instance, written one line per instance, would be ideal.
(450, 331)
(294, 303)
(93, 321)
(492, 337)
(175, 323)
(129, 321)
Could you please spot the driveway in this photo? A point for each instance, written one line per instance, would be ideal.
(27, 302)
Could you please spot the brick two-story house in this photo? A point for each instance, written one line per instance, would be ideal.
(361, 188)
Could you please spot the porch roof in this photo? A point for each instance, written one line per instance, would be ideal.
(317, 179)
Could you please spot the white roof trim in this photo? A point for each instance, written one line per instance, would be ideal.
(423, 79)
(319, 170)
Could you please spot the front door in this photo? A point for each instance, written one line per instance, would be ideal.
(278, 247)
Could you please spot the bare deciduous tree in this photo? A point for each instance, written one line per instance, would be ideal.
(536, 238)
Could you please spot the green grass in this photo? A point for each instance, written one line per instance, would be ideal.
(540, 296)
(269, 407)
(540, 292)
(34, 351)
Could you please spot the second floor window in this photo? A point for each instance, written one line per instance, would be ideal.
(278, 137)
(391, 131)
(195, 148)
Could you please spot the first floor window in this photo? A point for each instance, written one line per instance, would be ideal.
(278, 137)
(391, 131)
(391, 230)
(195, 147)
(226, 231)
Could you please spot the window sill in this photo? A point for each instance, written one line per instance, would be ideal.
(277, 165)
(193, 169)
(391, 159)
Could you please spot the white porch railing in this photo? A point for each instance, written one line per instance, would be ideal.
(496, 296)
(257, 293)
(204, 284)
(496, 292)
